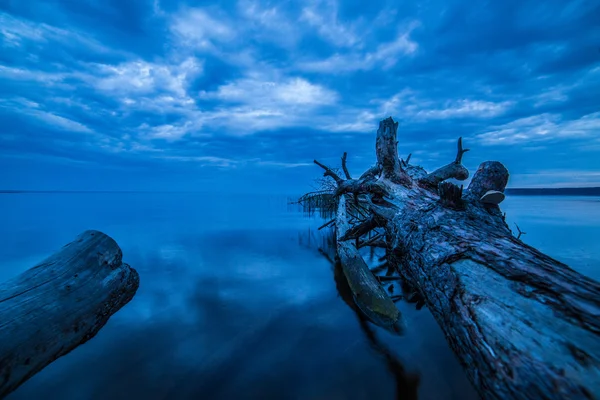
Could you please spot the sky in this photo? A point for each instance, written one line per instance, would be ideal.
(241, 96)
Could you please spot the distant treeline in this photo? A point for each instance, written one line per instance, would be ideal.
(585, 191)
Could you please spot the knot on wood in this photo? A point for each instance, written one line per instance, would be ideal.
(451, 195)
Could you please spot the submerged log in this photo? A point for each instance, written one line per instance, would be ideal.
(370, 297)
(59, 304)
(522, 324)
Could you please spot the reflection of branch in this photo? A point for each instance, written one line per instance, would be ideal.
(406, 384)
(520, 232)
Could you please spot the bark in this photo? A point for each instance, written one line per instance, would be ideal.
(523, 325)
(59, 304)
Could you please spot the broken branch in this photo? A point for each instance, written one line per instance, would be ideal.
(357, 231)
(451, 195)
(519, 231)
(374, 241)
(326, 224)
(460, 152)
(453, 170)
(344, 167)
(387, 152)
(329, 172)
(371, 173)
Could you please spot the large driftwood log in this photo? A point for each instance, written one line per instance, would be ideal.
(59, 304)
(523, 325)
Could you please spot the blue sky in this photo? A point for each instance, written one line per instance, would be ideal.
(242, 96)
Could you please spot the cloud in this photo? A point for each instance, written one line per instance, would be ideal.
(325, 20)
(204, 160)
(253, 83)
(293, 91)
(16, 32)
(408, 104)
(141, 78)
(58, 122)
(195, 27)
(33, 110)
(385, 56)
(543, 127)
(21, 74)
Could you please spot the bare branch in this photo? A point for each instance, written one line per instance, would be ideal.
(345, 167)
(460, 152)
(374, 241)
(371, 173)
(389, 278)
(360, 210)
(325, 225)
(397, 298)
(357, 187)
(453, 170)
(358, 230)
(519, 231)
(330, 172)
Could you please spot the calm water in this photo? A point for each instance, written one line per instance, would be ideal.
(235, 302)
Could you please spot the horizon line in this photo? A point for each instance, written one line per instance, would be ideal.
(6, 191)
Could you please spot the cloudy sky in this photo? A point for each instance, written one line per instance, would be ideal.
(242, 96)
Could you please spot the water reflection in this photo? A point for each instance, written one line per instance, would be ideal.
(229, 307)
(406, 383)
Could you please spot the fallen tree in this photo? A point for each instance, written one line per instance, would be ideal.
(523, 325)
(59, 304)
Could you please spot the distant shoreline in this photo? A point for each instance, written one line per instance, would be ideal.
(578, 191)
(581, 191)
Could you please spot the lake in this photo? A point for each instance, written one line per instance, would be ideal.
(235, 301)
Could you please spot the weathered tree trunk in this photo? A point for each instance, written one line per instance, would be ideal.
(523, 325)
(59, 304)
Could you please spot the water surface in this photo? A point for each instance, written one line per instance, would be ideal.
(235, 301)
